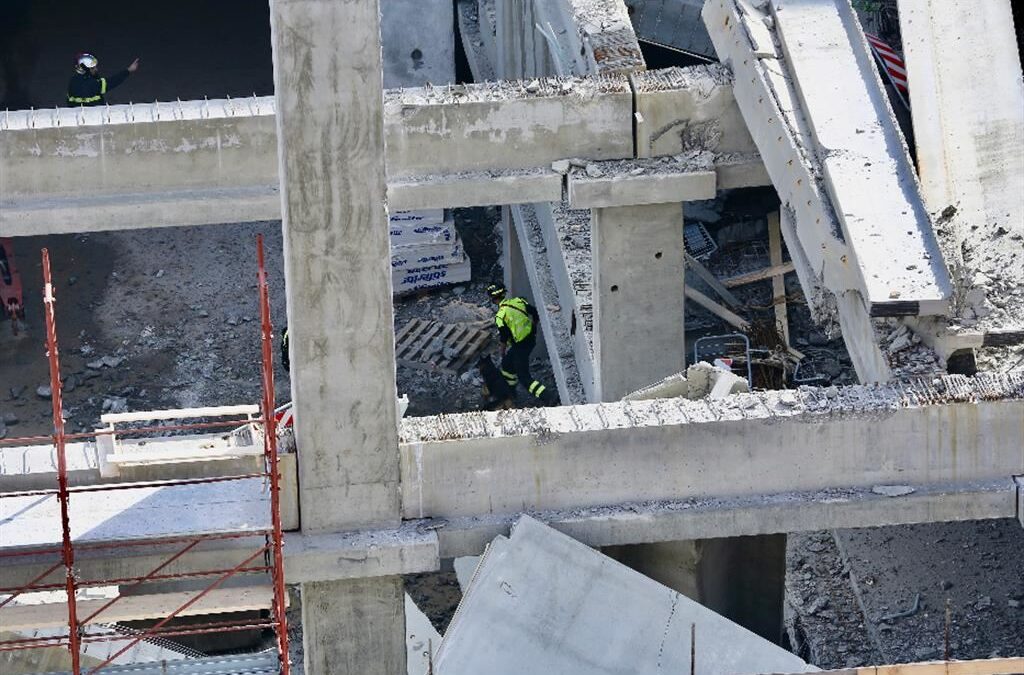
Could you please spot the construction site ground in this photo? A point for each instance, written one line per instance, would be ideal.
(167, 318)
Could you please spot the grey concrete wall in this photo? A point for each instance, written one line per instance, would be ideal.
(418, 39)
(747, 445)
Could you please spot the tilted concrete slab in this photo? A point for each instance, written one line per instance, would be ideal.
(541, 602)
(969, 130)
(816, 109)
(953, 431)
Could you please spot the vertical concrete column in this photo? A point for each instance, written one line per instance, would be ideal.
(332, 611)
(741, 578)
(516, 278)
(329, 93)
(510, 33)
(638, 261)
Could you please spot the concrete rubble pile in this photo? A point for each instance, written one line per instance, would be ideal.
(425, 251)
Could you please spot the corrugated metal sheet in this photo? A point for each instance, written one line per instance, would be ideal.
(672, 23)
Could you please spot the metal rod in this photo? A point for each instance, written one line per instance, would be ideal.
(270, 446)
(29, 586)
(68, 551)
(146, 633)
(148, 577)
(693, 649)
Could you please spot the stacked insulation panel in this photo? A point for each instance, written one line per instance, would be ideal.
(425, 251)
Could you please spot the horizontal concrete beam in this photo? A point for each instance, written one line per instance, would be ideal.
(653, 521)
(958, 430)
(643, 181)
(204, 162)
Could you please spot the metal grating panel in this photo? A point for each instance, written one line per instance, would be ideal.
(264, 663)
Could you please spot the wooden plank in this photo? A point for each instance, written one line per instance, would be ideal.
(751, 277)
(716, 285)
(716, 309)
(430, 331)
(406, 329)
(474, 348)
(181, 413)
(778, 283)
(15, 618)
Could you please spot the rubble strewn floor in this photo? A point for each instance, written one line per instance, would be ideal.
(878, 595)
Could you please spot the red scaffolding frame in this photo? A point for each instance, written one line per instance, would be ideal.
(270, 550)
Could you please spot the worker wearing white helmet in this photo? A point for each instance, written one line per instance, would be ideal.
(87, 87)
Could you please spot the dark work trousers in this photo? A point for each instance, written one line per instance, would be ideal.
(515, 366)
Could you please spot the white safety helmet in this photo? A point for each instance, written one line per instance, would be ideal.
(86, 62)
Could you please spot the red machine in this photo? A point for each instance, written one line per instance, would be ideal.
(10, 285)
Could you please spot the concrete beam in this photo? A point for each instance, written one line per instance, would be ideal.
(415, 546)
(480, 188)
(205, 162)
(643, 181)
(681, 110)
(437, 130)
(834, 153)
(653, 521)
(919, 434)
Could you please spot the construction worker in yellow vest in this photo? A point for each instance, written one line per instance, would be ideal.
(517, 331)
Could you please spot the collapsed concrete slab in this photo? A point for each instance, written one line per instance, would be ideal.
(812, 100)
(541, 602)
(968, 130)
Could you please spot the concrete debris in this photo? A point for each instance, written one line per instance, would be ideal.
(109, 361)
(115, 404)
(699, 381)
(16, 391)
(44, 391)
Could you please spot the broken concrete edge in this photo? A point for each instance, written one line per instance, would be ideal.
(806, 403)
(411, 548)
(658, 521)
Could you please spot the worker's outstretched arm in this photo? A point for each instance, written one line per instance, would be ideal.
(120, 76)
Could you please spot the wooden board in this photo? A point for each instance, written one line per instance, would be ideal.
(414, 341)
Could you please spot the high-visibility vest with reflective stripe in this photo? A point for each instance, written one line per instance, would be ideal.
(513, 315)
(90, 99)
